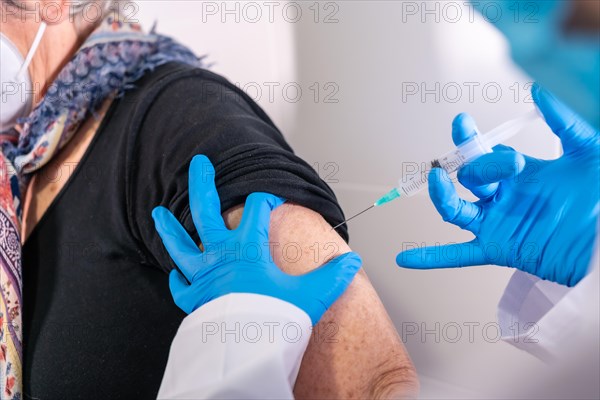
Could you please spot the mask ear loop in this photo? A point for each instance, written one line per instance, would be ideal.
(32, 50)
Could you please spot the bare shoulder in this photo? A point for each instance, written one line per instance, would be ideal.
(355, 351)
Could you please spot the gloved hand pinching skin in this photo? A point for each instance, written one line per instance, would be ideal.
(539, 216)
(239, 260)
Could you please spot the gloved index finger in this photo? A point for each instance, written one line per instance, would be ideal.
(463, 128)
(205, 205)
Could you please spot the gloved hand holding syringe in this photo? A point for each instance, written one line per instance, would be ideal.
(453, 160)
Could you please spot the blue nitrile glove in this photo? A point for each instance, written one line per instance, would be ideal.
(538, 216)
(239, 261)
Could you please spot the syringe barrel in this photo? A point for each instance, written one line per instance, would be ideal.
(510, 128)
(475, 147)
(465, 152)
(451, 161)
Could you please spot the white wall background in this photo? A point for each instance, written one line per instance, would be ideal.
(361, 124)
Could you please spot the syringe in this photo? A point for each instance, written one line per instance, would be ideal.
(453, 160)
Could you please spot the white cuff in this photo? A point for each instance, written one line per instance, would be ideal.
(237, 346)
(547, 319)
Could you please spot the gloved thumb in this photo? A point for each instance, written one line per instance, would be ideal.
(454, 255)
(573, 132)
(331, 280)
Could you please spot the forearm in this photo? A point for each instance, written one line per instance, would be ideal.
(364, 359)
(355, 351)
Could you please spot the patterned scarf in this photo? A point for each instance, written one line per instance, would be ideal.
(108, 63)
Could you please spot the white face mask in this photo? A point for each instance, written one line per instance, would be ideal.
(16, 88)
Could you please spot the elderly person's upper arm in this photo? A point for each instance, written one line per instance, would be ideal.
(355, 351)
(189, 112)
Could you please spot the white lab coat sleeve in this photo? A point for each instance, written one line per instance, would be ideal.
(238, 346)
(549, 320)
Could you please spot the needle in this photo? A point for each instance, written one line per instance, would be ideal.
(354, 216)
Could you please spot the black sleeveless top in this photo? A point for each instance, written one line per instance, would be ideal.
(98, 316)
